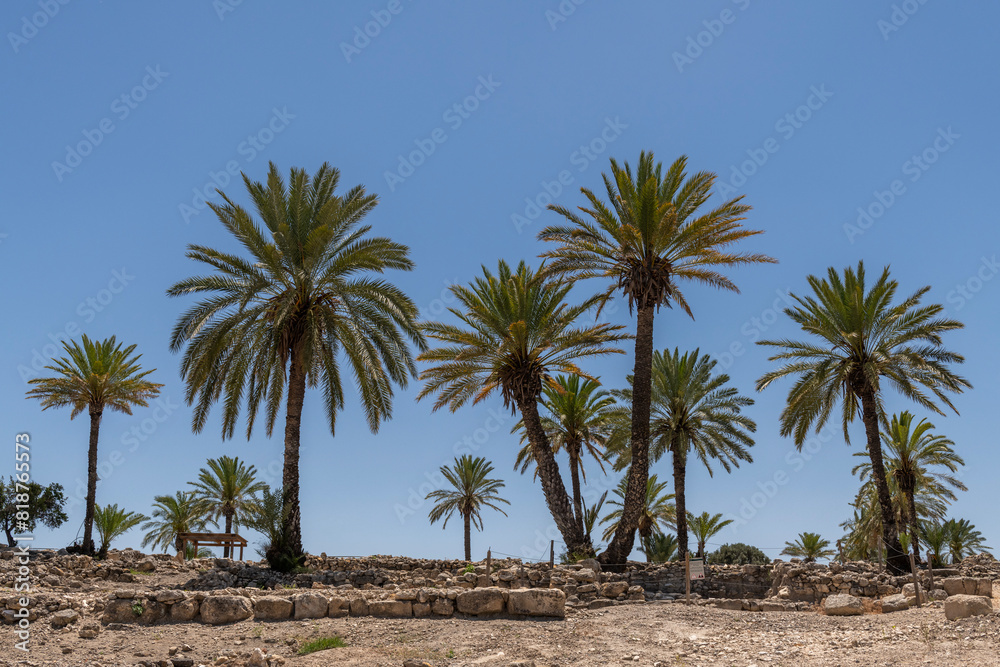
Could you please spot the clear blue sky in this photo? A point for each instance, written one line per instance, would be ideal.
(142, 104)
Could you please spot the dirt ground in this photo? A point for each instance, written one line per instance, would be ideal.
(636, 634)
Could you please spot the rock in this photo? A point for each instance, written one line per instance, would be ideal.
(359, 607)
(897, 602)
(272, 608)
(169, 596)
(843, 605)
(772, 605)
(133, 611)
(443, 607)
(482, 601)
(406, 595)
(220, 609)
(585, 575)
(590, 564)
(338, 607)
(391, 608)
(613, 589)
(586, 589)
(89, 630)
(257, 659)
(637, 593)
(600, 603)
(310, 605)
(146, 565)
(421, 609)
(62, 618)
(182, 662)
(537, 602)
(964, 606)
(733, 605)
(413, 662)
(910, 591)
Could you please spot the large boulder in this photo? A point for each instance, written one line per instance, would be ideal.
(481, 602)
(143, 612)
(391, 608)
(443, 607)
(968, 586)
(537, 602)
(591, 564)
(310, 605)
(272, 608)
(338, 607)
(613, 589)
(169, 596)
(359, 607)
(183, 611)
(64, 617)
(964, 606)
(897, 602)
(586, 575)
(843, 605)
(220, 609)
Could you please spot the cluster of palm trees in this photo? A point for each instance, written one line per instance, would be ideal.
(306, 296)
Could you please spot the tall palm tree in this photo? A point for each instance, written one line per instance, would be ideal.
(659, 547)
(656, 511)
(863, 339)
(95, 376)
(808, 546)
(652, 234)
(693, 411)
(227, 489)
(472, 489)
(304, 296)
(581, 419)
(911, 454)
(963, 539)
(173, 515)
(704, 527)
(515, 330)
(112, 522)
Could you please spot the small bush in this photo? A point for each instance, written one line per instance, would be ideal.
(738, 554)
(321, 644)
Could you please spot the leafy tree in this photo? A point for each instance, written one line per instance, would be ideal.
(94, 376)
(268, 516)
(659, 547)
(112, 522)
(45, 506)
(472, 489)
(657, 510)
(809, 546)
(864, 341)
(280, 316)
(737, 553)
(705, 527)
(963, 539)
(913, 457)
(227, 490)
(693, 411)
(651, 235)
(580, 419)
(515, 330)
(173, 515)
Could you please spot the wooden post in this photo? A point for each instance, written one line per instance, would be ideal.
(552, 554)
(930, 571)
(840, 549)
(687, 577)
(489, 562)
(916, 581)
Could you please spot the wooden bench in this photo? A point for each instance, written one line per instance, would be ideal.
(210, 540)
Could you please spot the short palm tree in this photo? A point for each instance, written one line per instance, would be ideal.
(652, 234)
(227, 489)
(704, 527)
(864, 531)
(912, 453)
(935, 535)
(112, 522)
(472, 490)
(963, 539)
(694, 411)
(659, 547)
(303, 297)
(864, 340)
(808, 546)
(95, 376)
(657, 510)
(580, 419)
(173, 515)
(515, 330)
(591, 516)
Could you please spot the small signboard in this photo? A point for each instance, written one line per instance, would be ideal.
(697, 568)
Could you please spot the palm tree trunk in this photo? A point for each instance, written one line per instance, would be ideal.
(552, 485)
(468, 537)
(911, 502)
(574, 469)
(226, 553)
(635, 491)
(680, 502)
(896, 560)
(290, 471)
(88, 519)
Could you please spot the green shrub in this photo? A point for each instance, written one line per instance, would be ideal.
(321, 644)
(738, 554)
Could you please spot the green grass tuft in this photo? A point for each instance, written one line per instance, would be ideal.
(321, 644)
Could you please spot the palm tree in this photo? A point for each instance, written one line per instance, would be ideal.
(95, 376)
(935, 535)
(581, 419)
(227, 489)
(705, 527)
(910, 455)
(809, 546)
(963, 539)
(651, 235)
(657, 510)
(305, 293)
(659, 547)
(591, 515)
(472, 489)
(693, 410)
(864, 338)
(515, 330)
(173, 515)
(112, 522)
